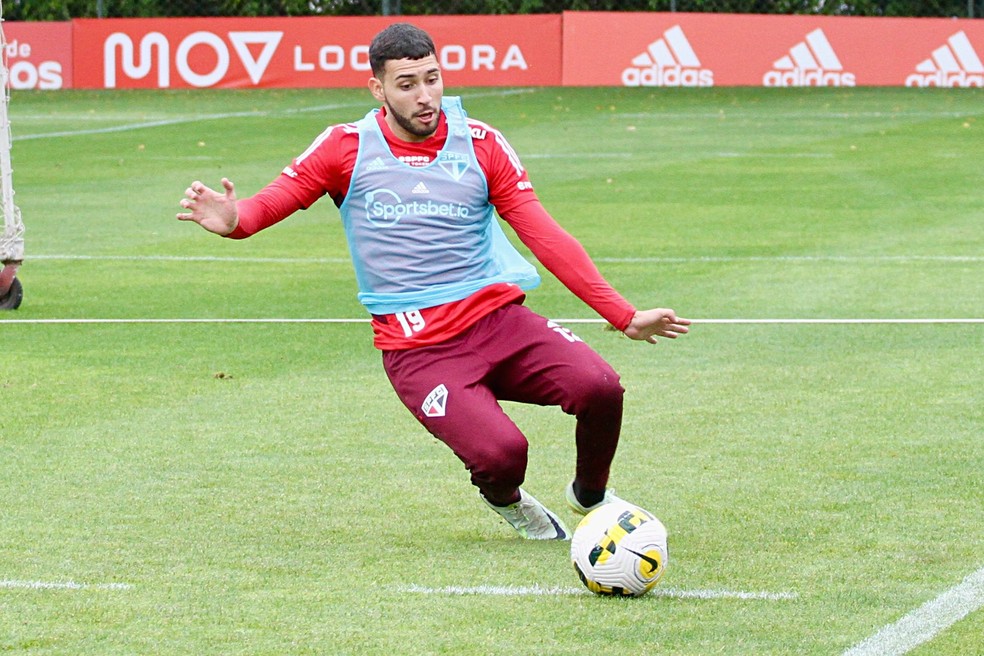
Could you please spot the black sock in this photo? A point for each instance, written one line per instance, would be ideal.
(496, 503)
(587, 498)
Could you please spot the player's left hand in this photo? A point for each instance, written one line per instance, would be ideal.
(213, 210)
(648, 325)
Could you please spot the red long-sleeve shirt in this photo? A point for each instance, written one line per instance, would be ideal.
(325, 168)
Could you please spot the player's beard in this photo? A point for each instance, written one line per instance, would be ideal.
(406, 122)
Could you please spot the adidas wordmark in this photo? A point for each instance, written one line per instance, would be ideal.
(810, 63)
(954, 64)
(669, 61)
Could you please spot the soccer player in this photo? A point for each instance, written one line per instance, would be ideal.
(417, 183)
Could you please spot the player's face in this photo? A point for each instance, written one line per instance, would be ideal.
(412, 90)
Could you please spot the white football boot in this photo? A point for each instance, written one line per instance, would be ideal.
(584, 510)
(531, 519)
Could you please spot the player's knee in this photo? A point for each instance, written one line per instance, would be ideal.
(503, 465)
(601, 393)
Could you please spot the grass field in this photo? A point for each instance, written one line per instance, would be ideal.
(190, 486)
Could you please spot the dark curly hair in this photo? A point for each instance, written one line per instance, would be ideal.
(399, 41)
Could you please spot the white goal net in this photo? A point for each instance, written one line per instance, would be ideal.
(12, 240)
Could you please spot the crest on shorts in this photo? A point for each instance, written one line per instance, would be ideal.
(436, 402)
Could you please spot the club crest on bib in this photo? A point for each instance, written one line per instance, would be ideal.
(454, 164)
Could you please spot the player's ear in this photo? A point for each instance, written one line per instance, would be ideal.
(376, 89)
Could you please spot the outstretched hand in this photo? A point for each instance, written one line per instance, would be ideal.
(213, 210)
(648, 325)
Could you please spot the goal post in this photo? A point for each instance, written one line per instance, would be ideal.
(12, 239)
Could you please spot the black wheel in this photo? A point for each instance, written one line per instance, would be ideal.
(12, 299)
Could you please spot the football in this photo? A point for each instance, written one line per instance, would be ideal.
(620, 550)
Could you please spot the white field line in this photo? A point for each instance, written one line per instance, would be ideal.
(610, 260)
(61, 585)
(755, 155)
(578, 155)
(897, 259)
(211, 117)
(535, 590)
(193, 258)
(926, 622)
(327, 320)
(686, 116)
(283, 320)
(786, 116)
(130, 126)
(824, 321)
(889, 259)
(176, 121)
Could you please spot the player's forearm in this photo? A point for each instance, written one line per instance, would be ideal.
(574, 268)
(565, 258)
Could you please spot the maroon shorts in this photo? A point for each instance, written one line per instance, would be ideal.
(513, 354)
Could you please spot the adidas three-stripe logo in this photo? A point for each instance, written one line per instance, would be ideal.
(954, 64)
(811, 62)
(669, 61)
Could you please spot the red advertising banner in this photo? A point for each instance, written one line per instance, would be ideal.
(39, 55)
(306, 52)
(573, 49)
(699, 50)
